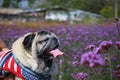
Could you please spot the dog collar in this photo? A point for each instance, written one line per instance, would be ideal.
(29, 74)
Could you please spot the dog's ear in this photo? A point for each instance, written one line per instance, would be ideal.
(27, 42)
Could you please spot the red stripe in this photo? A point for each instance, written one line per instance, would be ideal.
(12, 66)
(19, 70)
(5, 67)
(11, 69)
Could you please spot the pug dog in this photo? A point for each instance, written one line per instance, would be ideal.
(35, 53)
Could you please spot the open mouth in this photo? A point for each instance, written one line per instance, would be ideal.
(51, 47)
(55, 53)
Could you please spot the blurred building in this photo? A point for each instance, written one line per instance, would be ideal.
(9, 13)
(53, 13)
(57, 14)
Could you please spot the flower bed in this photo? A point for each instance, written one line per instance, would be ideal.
(91, 53)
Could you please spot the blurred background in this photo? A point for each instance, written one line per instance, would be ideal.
(59, 10)
(89, 32)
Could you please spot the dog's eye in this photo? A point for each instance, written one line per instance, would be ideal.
(40, 42)
(46, 39)
(43, 40)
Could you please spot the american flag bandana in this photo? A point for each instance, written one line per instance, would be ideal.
(9, 63)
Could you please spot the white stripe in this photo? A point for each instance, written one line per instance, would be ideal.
(21, 71)
(15, 67)
(9, 64)
(4, 65)
(2, 56)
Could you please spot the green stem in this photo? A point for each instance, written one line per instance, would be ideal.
(95, 73)
(60, 75)
(109, 61)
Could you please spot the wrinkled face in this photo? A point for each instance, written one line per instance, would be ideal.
(41, 43)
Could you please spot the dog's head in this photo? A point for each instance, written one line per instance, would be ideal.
(41, 43)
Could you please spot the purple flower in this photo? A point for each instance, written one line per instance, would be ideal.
(118, 44)
(92, 59)
(60, 62)
(80, 76)
(90, 47)
(105, 45)
(74, 49)
(75, 63)
(97, 50)
(76, 56)
(116, 72)
(33, 14)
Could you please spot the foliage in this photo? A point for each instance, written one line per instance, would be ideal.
(107, 12)
(58, 2)
(88, 5)
(6, 3)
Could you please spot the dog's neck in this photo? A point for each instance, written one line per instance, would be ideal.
(48, 59)
(44, 62)
(22, 56)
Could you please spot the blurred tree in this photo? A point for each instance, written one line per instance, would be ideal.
(1, 3)
(14, 3)
(88, 5)
(107, 12)
(95, 6)
(6, 3)
(37, 3)
(62, 3)
(78, 4)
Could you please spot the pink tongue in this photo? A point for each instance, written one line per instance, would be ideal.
(56, 52)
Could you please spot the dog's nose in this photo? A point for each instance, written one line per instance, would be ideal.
(54, 43)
